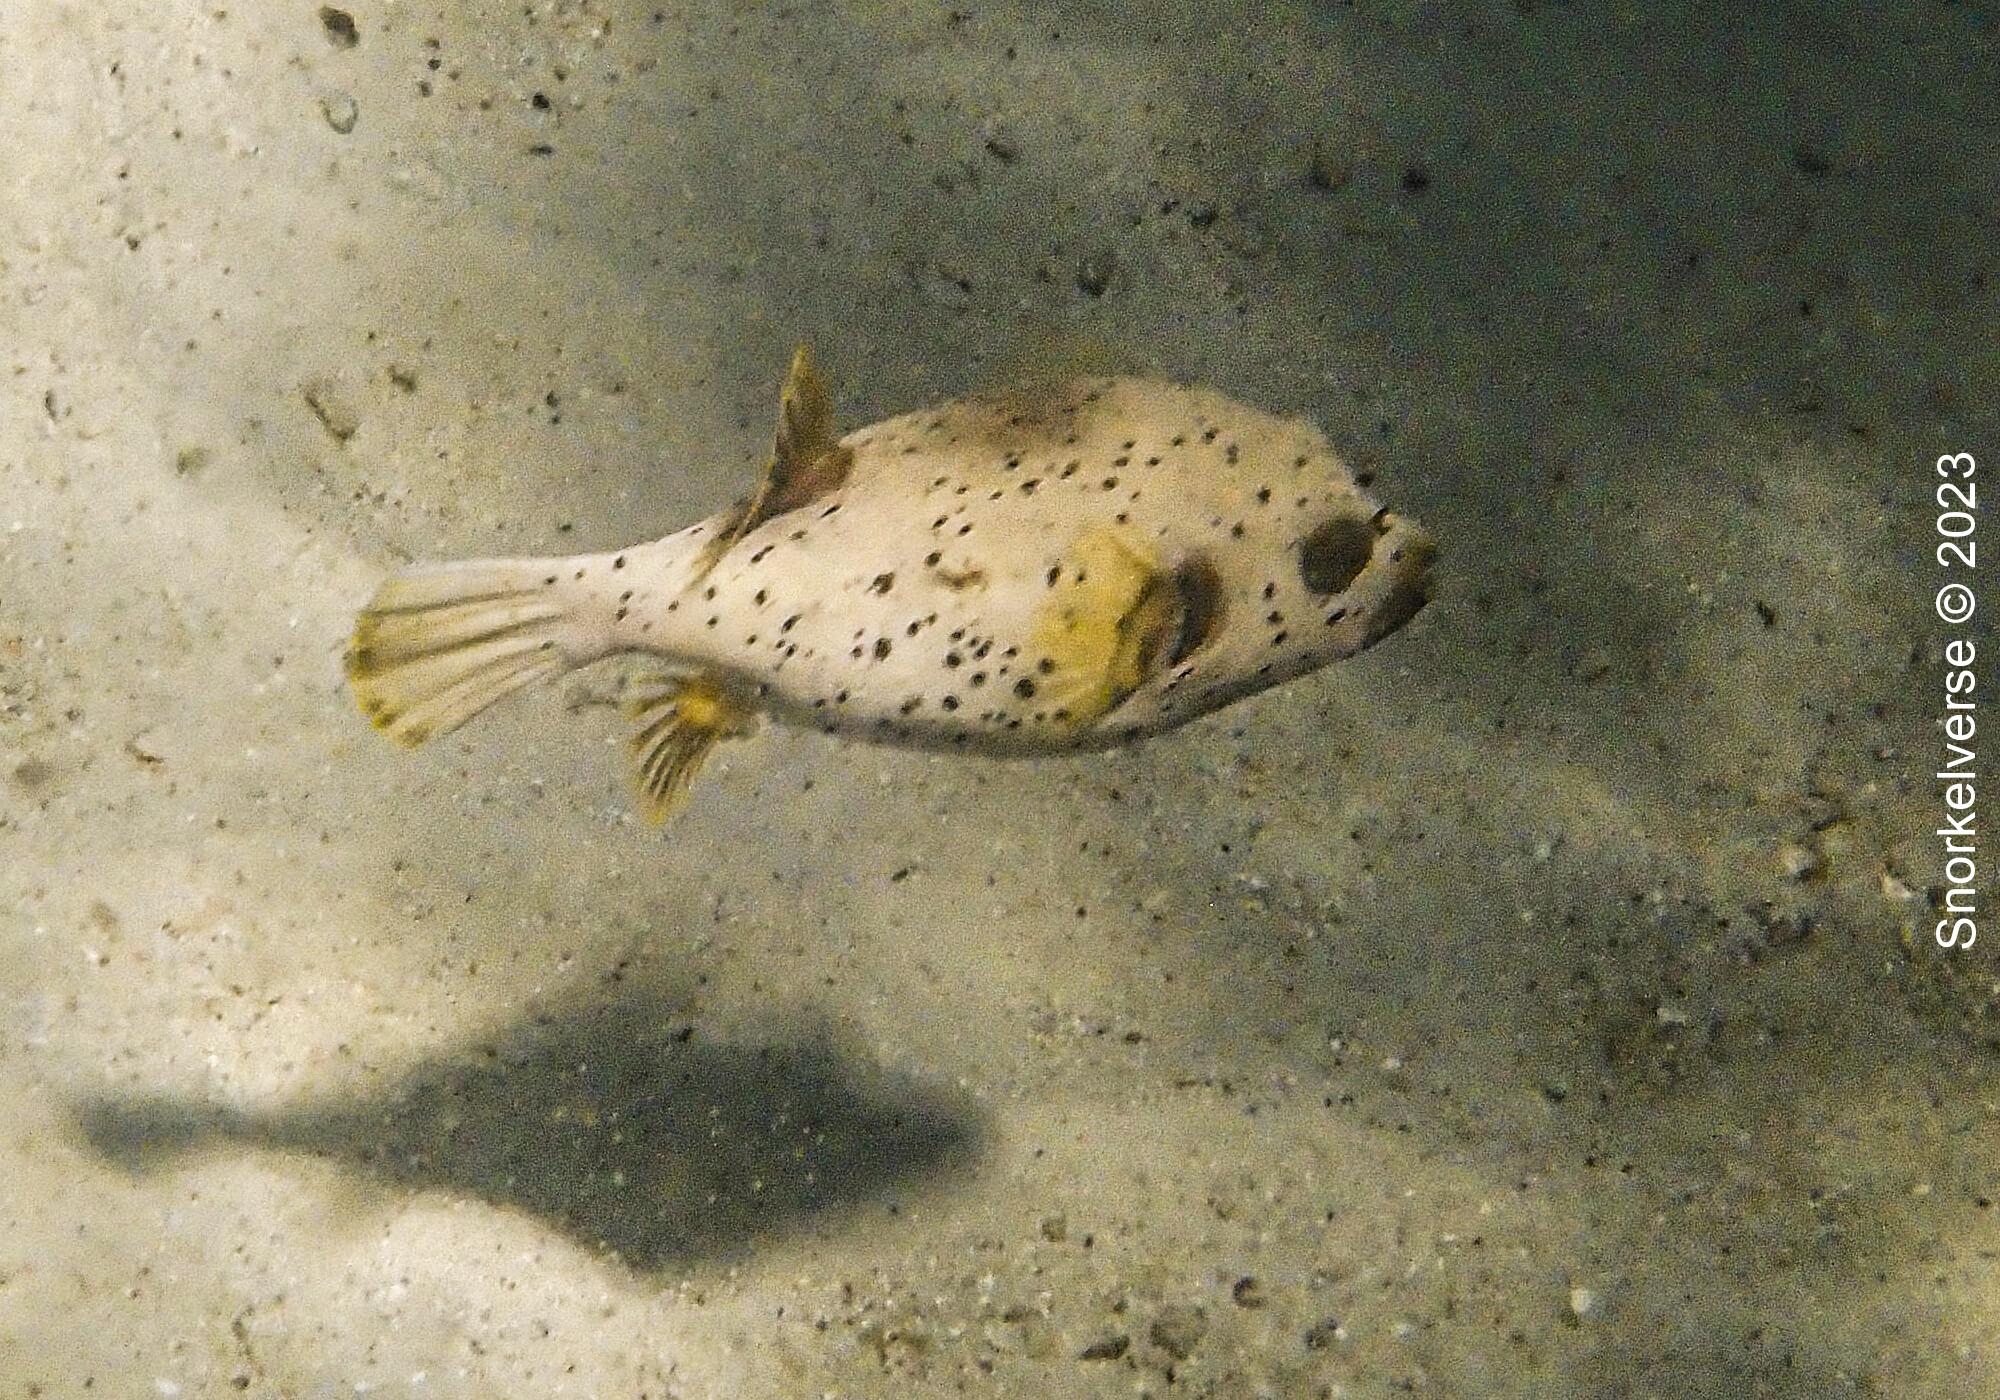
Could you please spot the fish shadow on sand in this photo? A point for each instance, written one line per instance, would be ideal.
(618, 1124)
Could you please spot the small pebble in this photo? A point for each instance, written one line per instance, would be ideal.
(1106, 1348)
(1796, 862)
(1178, 1330)
(340, 28)
(327, 406)
(1325, 1333)
(1093, 274)
(1001, 142)
(341, 111)
(1328, 169)
(1582, 1302)
(1594, 665)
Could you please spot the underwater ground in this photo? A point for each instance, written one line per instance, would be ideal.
(1541, 1004)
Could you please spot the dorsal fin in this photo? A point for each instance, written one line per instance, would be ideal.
(805, 464)
(805, 419)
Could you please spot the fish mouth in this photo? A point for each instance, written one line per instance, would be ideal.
(1404, 550)
(1412, 548)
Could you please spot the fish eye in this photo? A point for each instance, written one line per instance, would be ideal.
(1333, 556)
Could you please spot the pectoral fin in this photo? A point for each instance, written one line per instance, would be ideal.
(1112, 612)
(682, 718)
(805, 462)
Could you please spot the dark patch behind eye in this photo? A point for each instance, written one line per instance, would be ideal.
(1333, 555)
(1200, 588)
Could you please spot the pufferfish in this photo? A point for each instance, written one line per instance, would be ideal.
(1074, 567)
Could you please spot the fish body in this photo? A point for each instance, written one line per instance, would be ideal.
(1074, 568)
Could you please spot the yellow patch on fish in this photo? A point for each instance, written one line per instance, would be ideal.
(1097, 629)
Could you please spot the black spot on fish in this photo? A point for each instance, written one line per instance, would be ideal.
(1025, 688)
(881, 648)
(882, 583)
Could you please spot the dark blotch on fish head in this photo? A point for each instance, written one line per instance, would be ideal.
(1200, 589)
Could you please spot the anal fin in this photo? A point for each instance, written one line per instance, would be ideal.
(681, 719)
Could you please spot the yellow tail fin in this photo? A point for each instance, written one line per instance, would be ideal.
(439, 643)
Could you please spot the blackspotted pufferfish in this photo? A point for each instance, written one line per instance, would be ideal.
(1075, 567)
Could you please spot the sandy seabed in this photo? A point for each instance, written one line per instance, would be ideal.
(1542, 1004)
